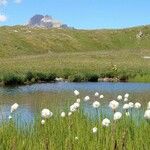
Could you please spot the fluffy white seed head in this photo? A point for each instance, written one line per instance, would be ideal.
(105, 122)
(78, 100)
(117, 115)
(125, 99)
(94, 130)
(43, 122)
(46, 113)
(101, 96)
(148, 105)
(131, 105)
(14, 107)
(127, 114)
(126, 95)
(73, 108)
(87, 98)
(137, 105)
(63, 114)
(69, 113)
(119, 97)
(76, 92)
(96, 94)
(76, 105)
(96, 104)
(147, 114)
(126, 106)
(113, 104)
(9, 117)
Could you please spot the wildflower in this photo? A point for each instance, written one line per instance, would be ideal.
(126, 95)
(63, 114)
(101, 96)
(94, 130)
(127, 114)
(76, 92)
(119, 97)
(76, 105)
(148, 105)
(147, 114)
(113, 104)
(96, 94)
(46, 113)
(96, 104)
(117, 115)
(14, 107)
(106, 122)
(131, 105)
(125, 99)
(69, 113)
(137, 105)
(78, 100)
(126, 106)
(87, 98)
(73, 108)
(43, 122)
(10, 117)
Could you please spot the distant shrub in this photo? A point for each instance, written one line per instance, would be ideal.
(40, 76)
(92, 77)
(50, 77)
(77, 78)
(29, 76)
(11, 79)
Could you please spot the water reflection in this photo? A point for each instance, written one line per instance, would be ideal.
(56, 96)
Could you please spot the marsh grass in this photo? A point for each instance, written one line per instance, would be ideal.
(59, 133)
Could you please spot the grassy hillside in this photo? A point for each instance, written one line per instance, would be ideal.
(70, 51)
(20, 40)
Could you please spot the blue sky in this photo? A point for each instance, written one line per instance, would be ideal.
(87, 14)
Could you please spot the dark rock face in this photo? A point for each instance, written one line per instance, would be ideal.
(45, 22)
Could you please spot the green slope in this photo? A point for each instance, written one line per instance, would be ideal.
(41, 41)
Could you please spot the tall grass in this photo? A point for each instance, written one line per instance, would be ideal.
(60, 133)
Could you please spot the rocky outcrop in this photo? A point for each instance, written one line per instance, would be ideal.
(45, 22)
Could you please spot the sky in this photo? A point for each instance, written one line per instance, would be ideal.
(82, 14)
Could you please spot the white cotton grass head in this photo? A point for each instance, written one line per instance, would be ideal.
(76, 138)
(94, 130)
(126, 95)
(137, 105)
(76, 105)
(9, 117)
(46, 113)
(147, 114)
(125, 99)
(101, 96)
(96, 104)
(78, 100)
(117, 115)
(96, 94)
(73, 108)
(76, 93)
(113, 104)
(69, 113)
(42, 122)
(131, 105)
(87, 98)
(127, 114)
(126, 106)
(148, 105)
(105, 122)
(14, 107)
(63, 114)
(119, 97)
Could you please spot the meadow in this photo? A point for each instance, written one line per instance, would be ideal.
(127, 127)
(35, 55)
